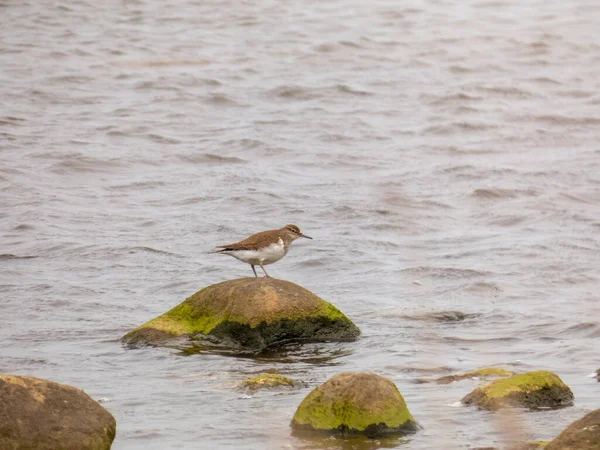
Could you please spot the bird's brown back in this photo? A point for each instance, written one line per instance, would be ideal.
(256, 241)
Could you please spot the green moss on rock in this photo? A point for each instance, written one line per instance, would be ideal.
(249, 313)
(583, 434)
(526, 446)
(269, 380)
(44, 415)
(481, 373)
(540, 389)
(354, 403)
(535, 445)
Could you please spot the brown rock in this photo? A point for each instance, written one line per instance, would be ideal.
(583, 434)
(39, 414)
(248, 313)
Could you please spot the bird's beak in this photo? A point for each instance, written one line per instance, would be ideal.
(305, 236)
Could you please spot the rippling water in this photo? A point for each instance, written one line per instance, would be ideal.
(445, 156)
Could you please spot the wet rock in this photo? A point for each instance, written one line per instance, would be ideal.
(532, 445)
(248, 313)
(44, 415)
(526, 446)
(354, 404)
(489, 372)
(583, 434)
(528, 390)
(270, 380)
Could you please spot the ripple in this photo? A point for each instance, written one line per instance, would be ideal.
(210, 158)
(440, 316)
(149, 250)
(75, 164)
(221, 100)
(9, 256)
(445, 272)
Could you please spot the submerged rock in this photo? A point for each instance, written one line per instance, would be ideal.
(526, 446)
(354, 404)
(481, 373)
(537, 445)
(528, 390)
(269, 380)
(44, 415)
(583, 434)
(249, 313)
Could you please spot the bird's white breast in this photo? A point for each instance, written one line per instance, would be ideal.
(267, 255)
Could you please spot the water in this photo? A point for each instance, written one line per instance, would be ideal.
(444, 155)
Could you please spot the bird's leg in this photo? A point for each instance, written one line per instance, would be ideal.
(263, 268)
(254, 270)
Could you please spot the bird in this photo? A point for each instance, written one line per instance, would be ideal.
(263, 248)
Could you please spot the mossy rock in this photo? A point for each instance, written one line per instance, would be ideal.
(354, 404)
(526, 446)
(537, 445)
(249, 313)
(531, 390)
(44, 415)
(269, 380)
(481, 373)
(583, 434)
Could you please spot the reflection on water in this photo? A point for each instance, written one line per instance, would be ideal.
(307, 353)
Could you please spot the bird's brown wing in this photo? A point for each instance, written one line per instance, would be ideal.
(253, 242)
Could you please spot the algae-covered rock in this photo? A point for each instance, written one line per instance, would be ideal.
(354, 403)
(538, 445)
(44, 415)
(583, 434)
(269, 380)
(489, 372)
(249, 313)
(528, 390)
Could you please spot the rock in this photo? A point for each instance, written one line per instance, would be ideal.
(354, 404)
(248, 313)
(598, 375)
(481, 373)
(537, 445)
(269, 380)
(528, 390)
(526, 446)
(583, 434)
(44, 415)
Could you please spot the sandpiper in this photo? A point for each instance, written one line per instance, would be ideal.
(263, 248)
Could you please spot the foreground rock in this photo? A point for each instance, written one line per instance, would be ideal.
(354, 403)
(250, 313)
(269, 381)
(44, 415)
(526, 446)
(528, 390)
(583, 434)
(490, 372)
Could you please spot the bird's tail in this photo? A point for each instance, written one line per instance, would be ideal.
(217, 250)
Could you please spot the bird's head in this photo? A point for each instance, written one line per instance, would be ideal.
(294, 232)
